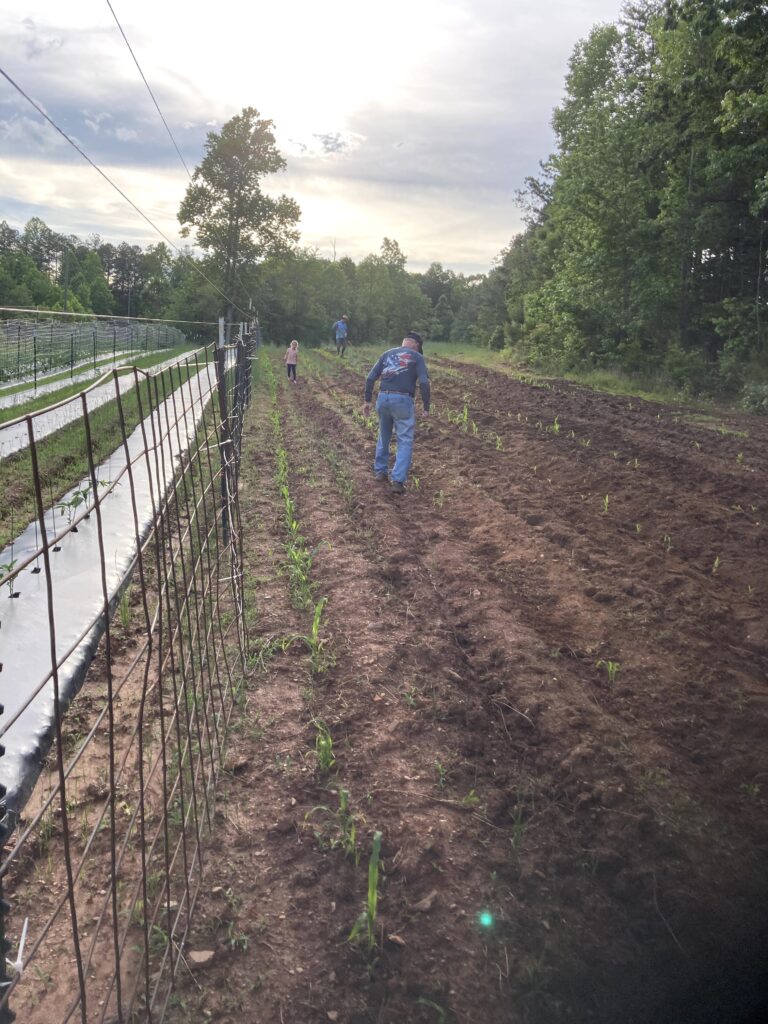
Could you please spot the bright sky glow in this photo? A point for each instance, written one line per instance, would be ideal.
(414, 120)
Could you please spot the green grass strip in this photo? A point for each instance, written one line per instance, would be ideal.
(62, 457)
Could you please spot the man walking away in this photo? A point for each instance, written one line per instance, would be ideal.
(340, 332)
(399, 369)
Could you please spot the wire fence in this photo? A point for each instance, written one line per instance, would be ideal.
(29, 349)
(112, 748)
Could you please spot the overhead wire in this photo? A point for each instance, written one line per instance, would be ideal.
(162, 118)
(117, 188)
(149, 90)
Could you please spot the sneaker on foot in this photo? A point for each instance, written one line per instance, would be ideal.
(397, 487)
(380, 476)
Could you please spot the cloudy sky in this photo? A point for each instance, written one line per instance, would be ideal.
(414, 119)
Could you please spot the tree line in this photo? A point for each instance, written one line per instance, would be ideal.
(294, 292)
(645, 245)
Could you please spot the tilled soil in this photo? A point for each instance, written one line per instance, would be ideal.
(545, 680)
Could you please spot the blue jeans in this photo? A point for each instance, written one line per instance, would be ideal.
(395, 410)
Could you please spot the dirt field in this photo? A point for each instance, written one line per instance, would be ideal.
(544, 678)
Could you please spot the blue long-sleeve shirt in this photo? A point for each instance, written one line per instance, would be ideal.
(399, 369)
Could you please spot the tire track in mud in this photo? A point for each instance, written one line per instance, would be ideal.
(636, 716)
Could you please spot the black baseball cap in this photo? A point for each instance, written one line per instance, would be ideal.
(417, 338)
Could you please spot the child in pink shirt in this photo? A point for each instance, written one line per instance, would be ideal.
(291, 358)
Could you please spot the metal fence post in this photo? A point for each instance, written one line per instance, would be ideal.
(225, 441)
(7, 1016)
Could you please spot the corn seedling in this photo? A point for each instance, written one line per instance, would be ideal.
(366, 922)
(740, 458)
(347, 825)
(638, 527)
(471, 799)
(409, 696)
(667, 542)
(716, 565)
(439, 499)
(237, 942)
(320, 657)
(606, 502)
(441, 774)
(499, 444)
(323, 747)
(341, 831)
(612, 669)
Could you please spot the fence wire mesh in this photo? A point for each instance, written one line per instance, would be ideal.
(112, 751)
(29, 349)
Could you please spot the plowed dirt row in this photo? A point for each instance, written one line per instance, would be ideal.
(549, 695)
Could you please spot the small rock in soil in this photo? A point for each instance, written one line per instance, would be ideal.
(426, 903)
(198, 958)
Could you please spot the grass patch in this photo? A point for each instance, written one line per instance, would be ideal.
(62, 457)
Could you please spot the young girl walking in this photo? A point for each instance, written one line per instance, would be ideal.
(291, 358)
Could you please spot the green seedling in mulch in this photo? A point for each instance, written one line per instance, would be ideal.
(125, 608)
(638, 527)
(606, 502)
(499, 443)
(553, 428)
(439, 499)
(612, 669)
(470, 800)
(740, 458)
(6, 570)
(716, 565)
(441, 774)
(666, 540)
(323, 747)
(365, 925)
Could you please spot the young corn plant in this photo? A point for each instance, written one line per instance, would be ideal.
(321, 657)
(612, 669)
(324, 756)
(365, 925)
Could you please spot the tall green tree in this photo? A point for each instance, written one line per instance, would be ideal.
(235, 221)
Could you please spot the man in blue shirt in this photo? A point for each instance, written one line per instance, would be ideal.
(398, 370)
(340, 332)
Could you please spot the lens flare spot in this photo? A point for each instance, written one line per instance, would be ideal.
(485, 918)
